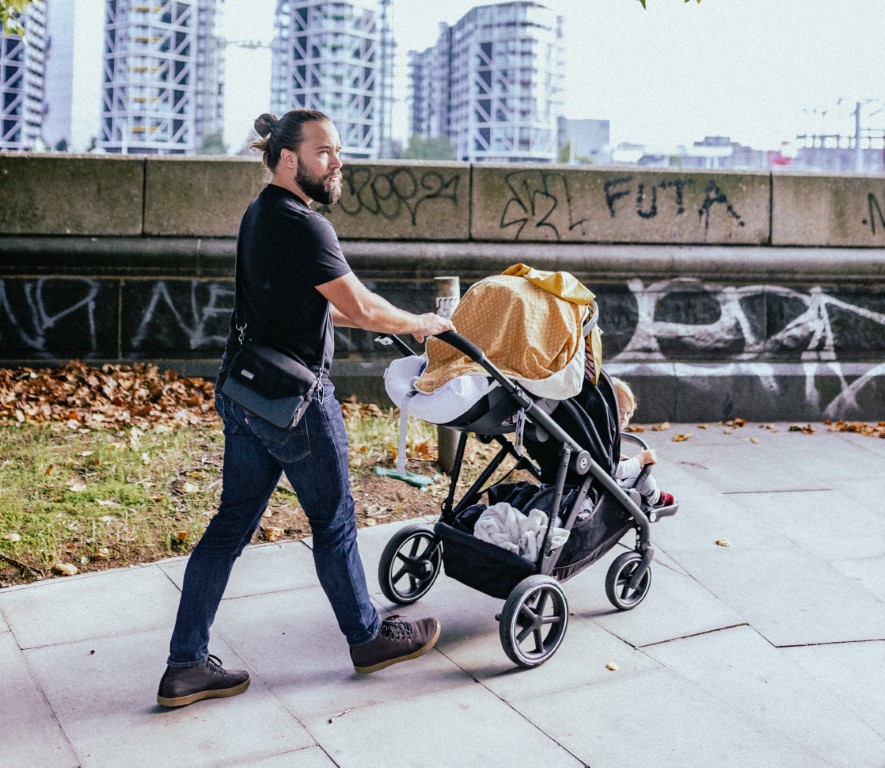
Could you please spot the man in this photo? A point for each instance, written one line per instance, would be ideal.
(296, 283)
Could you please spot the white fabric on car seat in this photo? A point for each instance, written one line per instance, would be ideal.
(446, 404)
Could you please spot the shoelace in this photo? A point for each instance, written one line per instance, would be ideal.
(396, 630)
(213, 664)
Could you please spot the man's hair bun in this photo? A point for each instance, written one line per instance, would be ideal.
(264, 124)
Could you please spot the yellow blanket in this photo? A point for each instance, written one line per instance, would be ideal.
(529, 326)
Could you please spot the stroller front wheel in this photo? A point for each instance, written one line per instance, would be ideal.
(617, 582)
(534, 620)
(409, 564)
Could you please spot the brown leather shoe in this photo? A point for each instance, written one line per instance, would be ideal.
(209, 680)
(397, 641)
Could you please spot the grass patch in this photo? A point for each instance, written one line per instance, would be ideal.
(77, 499)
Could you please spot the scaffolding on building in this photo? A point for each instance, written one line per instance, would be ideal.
(163, 80)
(494, 84)
(22, 64)
(336, 57)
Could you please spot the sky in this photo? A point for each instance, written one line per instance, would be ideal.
(758, 71)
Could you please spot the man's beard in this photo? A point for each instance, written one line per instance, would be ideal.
(322, 189)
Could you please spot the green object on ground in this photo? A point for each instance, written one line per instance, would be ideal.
(419, 481)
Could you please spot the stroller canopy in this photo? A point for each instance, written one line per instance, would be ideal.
(528, 323)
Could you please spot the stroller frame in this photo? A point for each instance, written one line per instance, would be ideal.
(535, 616)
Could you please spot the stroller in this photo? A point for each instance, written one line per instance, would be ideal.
(571, 448)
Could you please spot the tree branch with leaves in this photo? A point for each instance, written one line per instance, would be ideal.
(10, 11)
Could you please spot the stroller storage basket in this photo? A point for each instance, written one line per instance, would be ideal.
(480, 565)
(592, 537)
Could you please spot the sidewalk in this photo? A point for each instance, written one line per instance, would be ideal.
(767, 652)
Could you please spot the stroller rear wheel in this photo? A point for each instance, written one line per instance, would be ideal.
(409, 564)
(617, 582)
(534, 620)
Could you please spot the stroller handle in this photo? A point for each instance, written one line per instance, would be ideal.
(462, 345)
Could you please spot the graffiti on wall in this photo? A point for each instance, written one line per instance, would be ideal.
(34, 314)
(667, 321)
(876, 220)
(756, 323)
(394, 193)
(541, 203)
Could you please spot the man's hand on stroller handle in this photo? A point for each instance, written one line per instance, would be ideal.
(432, 325)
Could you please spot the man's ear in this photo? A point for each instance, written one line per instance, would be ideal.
(289, 158)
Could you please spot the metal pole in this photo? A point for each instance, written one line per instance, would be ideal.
(448, 294)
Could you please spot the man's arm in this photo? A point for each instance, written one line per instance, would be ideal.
(355, 306)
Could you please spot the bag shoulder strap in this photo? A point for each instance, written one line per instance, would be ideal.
(240, 322)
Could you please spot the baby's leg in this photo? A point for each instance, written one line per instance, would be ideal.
(648, 489)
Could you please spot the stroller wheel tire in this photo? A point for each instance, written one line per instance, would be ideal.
(409, 564)
(617, 582)
(533, 621)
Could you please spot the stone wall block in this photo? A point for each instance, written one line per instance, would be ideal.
(175, 318)
(56, 318)
(199, 197)
(828, 210)
(70, 195)
(562, 204)
(403, 201)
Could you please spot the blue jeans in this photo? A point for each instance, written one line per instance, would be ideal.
(314, 457)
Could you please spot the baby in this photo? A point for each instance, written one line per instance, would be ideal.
(628, 469)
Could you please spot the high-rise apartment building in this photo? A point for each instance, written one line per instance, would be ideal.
(22, 61)
(162, 79)
(73, 74)
(337, 57)
(493, 84)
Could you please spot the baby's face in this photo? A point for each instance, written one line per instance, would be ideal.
(624, 412)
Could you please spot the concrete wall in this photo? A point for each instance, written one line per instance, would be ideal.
(721, 294)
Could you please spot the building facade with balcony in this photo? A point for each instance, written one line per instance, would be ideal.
(162, 88)
(337, 57)
(493, 84)
(22, 81)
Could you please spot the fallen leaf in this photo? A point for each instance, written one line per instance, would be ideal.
(370, 521)
(635, 428)
(182, 535)
(664, 425)
(271, 533)
(754, 440)
(681, 438)
(190, 488)
(102, 553)
(806, 429)
(65, 569)
(723, 543)
(77, 487)
(12, 537)
(49, 470)
(612, 666)
(703, 426)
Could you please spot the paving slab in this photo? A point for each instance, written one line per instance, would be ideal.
(298, 651)
(88, 606)
(102, 691)
(741, 667)
(581, 660)
(261, 569)
(468, 726)
(850, 673)
(29, 732)
(820, 523)
(676, 606)
(663, 720)
(310, 757)
(867, 572)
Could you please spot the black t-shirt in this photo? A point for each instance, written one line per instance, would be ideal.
(285, 250)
